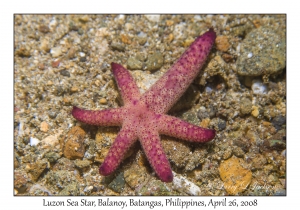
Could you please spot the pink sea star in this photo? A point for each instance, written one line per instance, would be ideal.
(144, 116)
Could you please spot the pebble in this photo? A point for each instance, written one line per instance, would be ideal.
(169, 22)
(155, 61)
(74, 89)
(248, 81)
(188, 42)
(65, 73)
(222, 43)
(263, 52)
(144, 80)
(238, 152)
(117, 46)
(71, 53)
(142, 38)
(50, 141)
(23, 52)
(128, 26)
(118, 183)
(190, 116)
(67, 101)
(52, 157)
(205, 123)
(56, 52)
(202, 113)
(49, 83)
(82, 59)
(84, 18)
(21, 179)
(221, 124)
(37, 168)
(255, 111)
(170, 38)
(98, 83)
(44, 29)
(103, 101)
(56, 63)
(246, 106)
(125, 39)
(44, 126)
(73, 26)
(228, 58)
(236, 178)
(211, 110)
(82, 163)
(45, 45)
(278, 122)
(134, 64)
(52, 114)
(41, 66)
(74, 146)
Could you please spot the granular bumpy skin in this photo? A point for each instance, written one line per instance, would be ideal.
(143, 117)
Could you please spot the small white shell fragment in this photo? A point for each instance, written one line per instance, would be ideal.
(34, 141)
(258, 87)
(56, 52)
(183, 184)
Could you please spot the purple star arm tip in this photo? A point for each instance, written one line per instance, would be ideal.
(126, 83)
(108, 117)
(175, 127)
(117, 151)
(170, 87)
(150, 141)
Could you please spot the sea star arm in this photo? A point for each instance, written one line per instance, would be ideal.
(116, 153)
(108, 117)
(150, 141)
(170, 87)
(175, 127)
(126, 84)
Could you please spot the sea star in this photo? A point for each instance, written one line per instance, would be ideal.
(144, 116)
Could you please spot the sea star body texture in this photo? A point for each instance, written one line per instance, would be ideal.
(143, 117)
